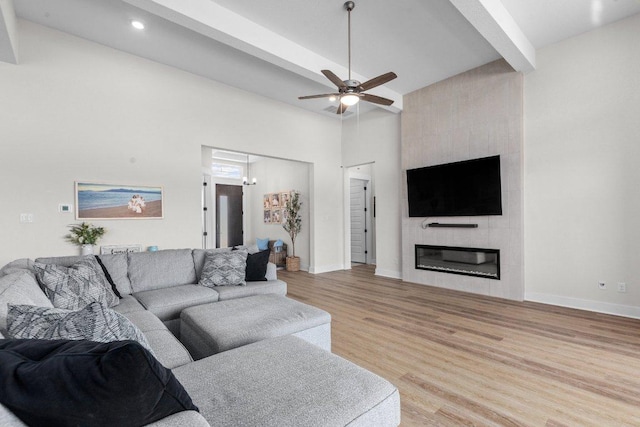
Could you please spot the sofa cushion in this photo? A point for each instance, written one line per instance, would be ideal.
(168, 350)
(161, 269)
(65, 261)
(167, 303)
(8, 419)
(19, 287)
(94, 322)
(117, 265)
(128, 304)
(277, 287)
(182, 419)
(19, 265)
(272, 271)
(84, 382)
(286, 381)
(107, 276)
(252, 249)
(74, 287)
(224, 269)
(257, 266)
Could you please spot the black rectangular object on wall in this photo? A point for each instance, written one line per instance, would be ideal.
(467, 188)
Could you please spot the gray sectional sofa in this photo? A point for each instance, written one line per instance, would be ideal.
(277, 381)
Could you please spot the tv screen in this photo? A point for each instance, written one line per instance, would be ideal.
(468, 188)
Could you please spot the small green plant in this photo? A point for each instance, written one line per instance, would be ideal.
(85, 234)
(293, 222)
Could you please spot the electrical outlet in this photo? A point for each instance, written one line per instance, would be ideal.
(622, 287)
(26, 218)
(602, 285)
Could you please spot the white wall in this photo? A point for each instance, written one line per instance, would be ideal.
(582, 148)
(374, 137)
(75, 110)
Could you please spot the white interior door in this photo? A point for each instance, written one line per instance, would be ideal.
(358, 220)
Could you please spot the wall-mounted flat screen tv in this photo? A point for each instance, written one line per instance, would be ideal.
(468, 188)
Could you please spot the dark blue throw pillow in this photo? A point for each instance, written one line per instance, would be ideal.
(86, 383)
(257, 266)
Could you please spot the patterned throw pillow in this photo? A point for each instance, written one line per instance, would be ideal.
(224, 269)
(94, 323)
(72, 288)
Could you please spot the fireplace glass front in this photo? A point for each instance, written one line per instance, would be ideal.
(458, 260)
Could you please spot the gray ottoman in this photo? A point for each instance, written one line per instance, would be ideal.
(220, 326)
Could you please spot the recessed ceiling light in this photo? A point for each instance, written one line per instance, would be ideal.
(137, 25)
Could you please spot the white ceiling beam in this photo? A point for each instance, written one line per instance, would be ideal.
(497, 26)
(8, 32)
(218, 23)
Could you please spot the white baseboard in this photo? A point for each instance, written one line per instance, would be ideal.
(325, 268)
(388, 273)
(584, 304)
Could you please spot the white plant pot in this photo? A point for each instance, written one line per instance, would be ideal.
(87, 250)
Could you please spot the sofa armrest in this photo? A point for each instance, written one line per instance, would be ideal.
(271, 272)
(184, 418)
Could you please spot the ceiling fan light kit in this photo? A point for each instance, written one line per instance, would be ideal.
(349, 100)
(350, 91)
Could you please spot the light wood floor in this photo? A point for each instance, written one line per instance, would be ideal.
(463, 359)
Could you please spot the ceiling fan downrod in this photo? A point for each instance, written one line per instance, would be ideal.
(349, 6)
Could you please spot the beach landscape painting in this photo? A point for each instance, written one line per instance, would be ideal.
(112, 201)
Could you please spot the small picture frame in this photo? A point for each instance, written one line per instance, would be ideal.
(284, 198)
(275, 201)
(267, 216)
(276, 216)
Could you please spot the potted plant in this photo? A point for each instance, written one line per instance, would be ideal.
(293, 225)
(85, 235)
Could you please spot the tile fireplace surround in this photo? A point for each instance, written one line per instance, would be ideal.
(476, 114)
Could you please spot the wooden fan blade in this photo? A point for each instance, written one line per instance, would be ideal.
(375, 99)
(334, 79)
(324, 95)
(377, 81)
(341, 108)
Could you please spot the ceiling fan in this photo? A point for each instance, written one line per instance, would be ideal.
(351, 91)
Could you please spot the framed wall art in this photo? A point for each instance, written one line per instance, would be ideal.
(274, 203)
(113, 201)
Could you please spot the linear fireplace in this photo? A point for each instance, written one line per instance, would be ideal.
(456, 260)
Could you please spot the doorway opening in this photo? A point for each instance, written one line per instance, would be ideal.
(236, 214)
(361, 212)
(229, 212)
